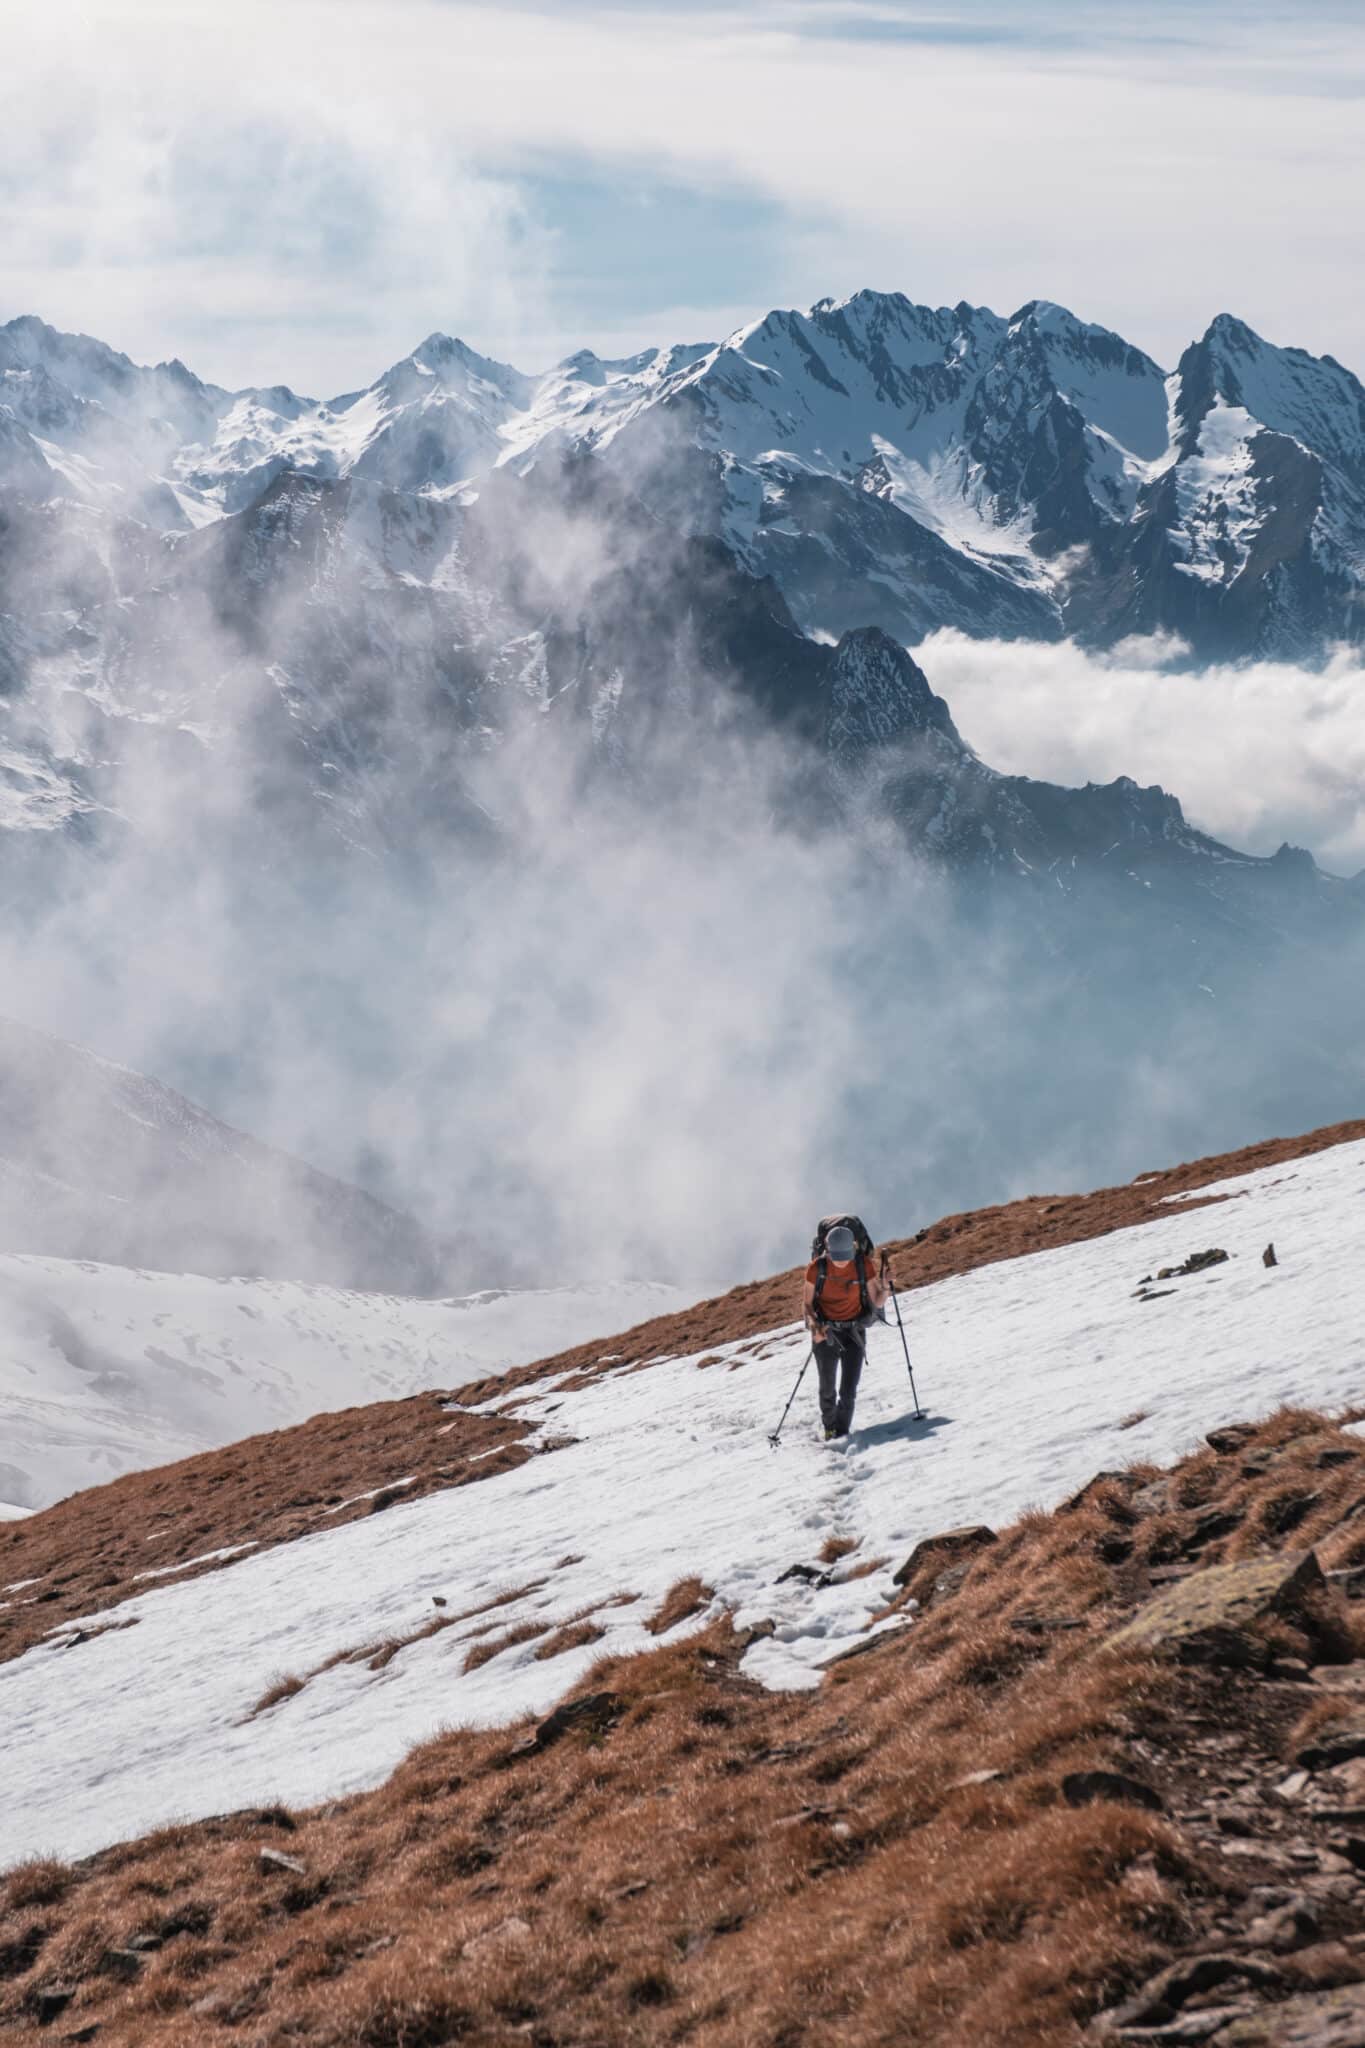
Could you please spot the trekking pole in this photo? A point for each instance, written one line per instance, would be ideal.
(919, 1412)
(776, 1434)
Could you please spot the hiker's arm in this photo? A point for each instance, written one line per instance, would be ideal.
(879, 1283)
(813, 1323)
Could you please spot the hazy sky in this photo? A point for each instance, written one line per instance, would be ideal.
(302, 189)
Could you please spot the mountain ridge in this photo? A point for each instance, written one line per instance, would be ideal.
(1013, 442)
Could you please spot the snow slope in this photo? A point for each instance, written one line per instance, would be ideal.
(1028, 1369)
(109, 1369)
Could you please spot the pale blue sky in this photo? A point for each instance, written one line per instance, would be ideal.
(299, 190)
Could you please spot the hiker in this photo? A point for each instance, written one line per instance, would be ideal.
(843, 1295)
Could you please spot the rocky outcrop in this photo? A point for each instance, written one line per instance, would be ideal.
(1209, 1616)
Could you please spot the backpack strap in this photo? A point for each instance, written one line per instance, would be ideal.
(862, 1283)
(821, 1268)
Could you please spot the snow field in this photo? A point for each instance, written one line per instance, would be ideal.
(1031, 1371)
(110, 1369)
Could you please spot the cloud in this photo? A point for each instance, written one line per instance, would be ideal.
(1257, 754)
(301, 191)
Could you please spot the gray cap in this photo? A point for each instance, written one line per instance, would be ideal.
(841, 1243)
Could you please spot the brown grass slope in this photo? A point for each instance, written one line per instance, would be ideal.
(892, 1858)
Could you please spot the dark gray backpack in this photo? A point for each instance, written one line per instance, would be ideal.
(818, 1252)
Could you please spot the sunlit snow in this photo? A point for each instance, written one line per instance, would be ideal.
(1035, 1373)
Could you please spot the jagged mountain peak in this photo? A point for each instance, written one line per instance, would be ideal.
(444, 360)
(1312, 399)
(1229, 331)
(884, 461)
(879, 692)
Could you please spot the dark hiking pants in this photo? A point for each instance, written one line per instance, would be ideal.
(839, 1362)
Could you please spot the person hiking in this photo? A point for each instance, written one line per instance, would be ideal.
(846, 1284)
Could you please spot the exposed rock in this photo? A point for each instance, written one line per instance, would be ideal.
(275, 1859)
(49, 2001)
(1290, 1671)
(1192, 2027)
(1082, 1788)
(1230, 1438)
(1318, 2019)
(1210, 1527)
(1204, 1618)
(121, 1962)
(1335, 1454)
(514, 1932)
(1336, 1744)
(1197, 1262)
(597, 1711)
(1350, 1583)
(1268, 1257)
(976, 1778)
(945, 1584)
(1162, 1997)
(1157, 1498)
(1286, 1512)
(1288, 1926)
(1341, 1677)
(938, 1551)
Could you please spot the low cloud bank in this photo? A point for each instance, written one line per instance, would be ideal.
(1257, 754)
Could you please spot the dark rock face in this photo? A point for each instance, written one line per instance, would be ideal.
(1083, 1788)
(939, 1553)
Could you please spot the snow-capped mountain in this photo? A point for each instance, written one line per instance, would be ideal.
(886, 463)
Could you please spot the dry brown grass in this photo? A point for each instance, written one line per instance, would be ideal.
(493, 1646)
(282, 1689)
(835, 1547)
(683, 1599)
(634, 1883)
(40, 1882)
(574, 1635)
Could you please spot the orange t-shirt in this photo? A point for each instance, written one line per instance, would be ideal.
(840, 1301)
